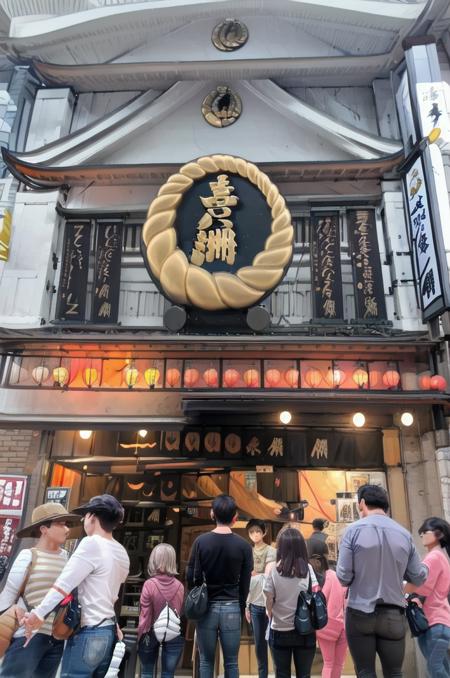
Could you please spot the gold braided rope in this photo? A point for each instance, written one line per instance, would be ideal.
(188, 284)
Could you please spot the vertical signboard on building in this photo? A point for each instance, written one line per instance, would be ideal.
(108, 253)
(326, 266)
(367, 274)
(13, 491)
(74, 272)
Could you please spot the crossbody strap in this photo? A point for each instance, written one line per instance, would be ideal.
(27, 577)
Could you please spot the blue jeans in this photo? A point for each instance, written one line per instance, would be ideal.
(259, 625)
(88, 653)
(148, 654)
(434, 645)
(39, 659)
(222, 621)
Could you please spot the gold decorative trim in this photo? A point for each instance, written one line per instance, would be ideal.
(187, 284)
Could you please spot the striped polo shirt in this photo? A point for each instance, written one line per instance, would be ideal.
(46, 570)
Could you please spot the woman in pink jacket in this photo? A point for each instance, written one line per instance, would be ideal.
(332, 639)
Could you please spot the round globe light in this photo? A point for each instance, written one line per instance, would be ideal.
(285, 417)
(142, 432)
(407, 419)
(359, 419)
(85, 435)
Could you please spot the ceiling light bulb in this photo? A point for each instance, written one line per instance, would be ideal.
(407, 419)
(85, 434)
(142, 432)
(285, 417)
(359, 419)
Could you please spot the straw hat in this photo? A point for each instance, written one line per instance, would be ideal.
(43, 514)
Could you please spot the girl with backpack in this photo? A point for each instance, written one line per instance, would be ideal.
(160, 609)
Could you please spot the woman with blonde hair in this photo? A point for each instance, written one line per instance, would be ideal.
(161, 589)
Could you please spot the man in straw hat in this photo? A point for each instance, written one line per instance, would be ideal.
(97, 569)
(42, 565)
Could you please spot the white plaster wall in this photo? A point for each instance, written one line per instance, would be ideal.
(51, 117)
(92, 106)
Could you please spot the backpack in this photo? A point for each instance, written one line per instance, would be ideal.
(167, 625)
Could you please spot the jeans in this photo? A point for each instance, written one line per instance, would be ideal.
(434, 647)
(148, 654)
(88, 653)
(259, 625)
(222, 621)
(380, 632)
(288, 645)
(333, 655)
(39, 659)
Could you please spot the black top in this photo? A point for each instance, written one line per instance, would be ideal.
(227, 563)
(316, 544)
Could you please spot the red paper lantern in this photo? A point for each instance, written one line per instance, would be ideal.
(191, 377)
(313, 377)
(291, 377)
(273, 377)
(210, 377)
(360, 377)
(231, 377)
(425, 382)
(251, 378)
(335, 377)
(438, 383)
(173, 377)
(391, 378)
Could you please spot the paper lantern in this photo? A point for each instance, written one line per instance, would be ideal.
(173, 377)
(360, 377)
(40, 374)
(273, 377)
(61, 376)
(335, 377)
(191, 377)
(313, 377)
(291, 377)
(251, 378)
(374, 378)
(151, 376)
(90, 376)
(211, 377)
(425, 382)
(391, 378)
(131, 376)
(438, 383)
(231, 377)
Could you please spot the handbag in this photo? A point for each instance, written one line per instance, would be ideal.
(67, 617)
(415, 616)
(196, 603)
(9, 622)
(311, 612)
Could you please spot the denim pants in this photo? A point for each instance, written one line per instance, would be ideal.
(170, 654)
(259, 625)
(380, 632)
(222, 621)
(39, 659)
(434, 645)
(88, 653)
(290, 645)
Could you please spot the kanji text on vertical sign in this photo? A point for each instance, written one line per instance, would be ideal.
(108, 252)
(326, 266)
(74, 272)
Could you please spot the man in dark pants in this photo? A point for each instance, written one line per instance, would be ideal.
(376, 554)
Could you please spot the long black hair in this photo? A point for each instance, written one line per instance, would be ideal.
(292, 555)
(441, 529)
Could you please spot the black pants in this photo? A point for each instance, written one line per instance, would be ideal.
(381, 632)
(286, 645)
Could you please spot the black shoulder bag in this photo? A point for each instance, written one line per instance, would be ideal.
(311, 613)
(415, 616)
(196, 603)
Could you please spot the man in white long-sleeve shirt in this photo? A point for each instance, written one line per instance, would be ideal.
(97, 569)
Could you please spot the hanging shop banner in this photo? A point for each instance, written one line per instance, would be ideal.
(433, 101)
(105, 304)
(74, 273)
(13, 491)
(367, 275)
(326, 266)
(423, 241)
(58, 495)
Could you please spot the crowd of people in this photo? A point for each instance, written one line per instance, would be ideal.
(378, 569)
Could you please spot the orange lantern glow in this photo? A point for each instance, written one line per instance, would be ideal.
(151, 376)
(61, 376)
(231, 377)
(273, 378)
(191, 377)
(374, 378)
(90, 375)
(360, 377)
(335, 377)
(173, 377)
(251, 378)
(391, 378)
(131, 376)
(211, 377)
(313, 377)
(438, 383)
(291, 377)
(40, 374)
(425, 382)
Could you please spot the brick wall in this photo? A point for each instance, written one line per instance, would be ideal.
(19, 450)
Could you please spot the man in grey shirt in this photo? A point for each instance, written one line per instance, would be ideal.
(375, 556)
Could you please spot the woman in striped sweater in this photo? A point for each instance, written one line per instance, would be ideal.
(42, 565)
